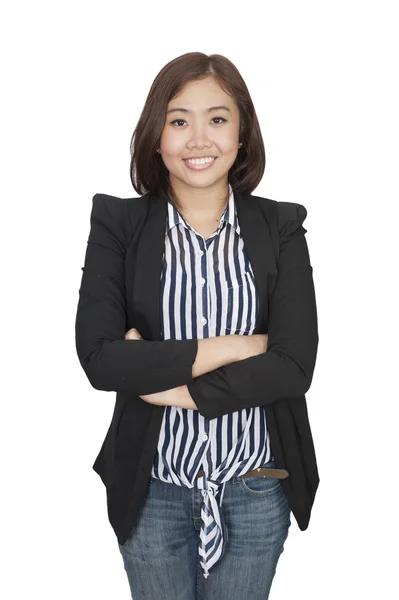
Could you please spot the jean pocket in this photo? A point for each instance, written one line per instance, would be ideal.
(261, 486)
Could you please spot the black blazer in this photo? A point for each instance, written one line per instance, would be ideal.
(120, 290)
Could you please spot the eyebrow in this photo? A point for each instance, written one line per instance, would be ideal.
(186, 110)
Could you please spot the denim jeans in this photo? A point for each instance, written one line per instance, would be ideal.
(161, 554)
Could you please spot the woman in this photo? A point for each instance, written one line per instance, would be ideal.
(197, 307)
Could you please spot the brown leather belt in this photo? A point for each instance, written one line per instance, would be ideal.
(260, 472)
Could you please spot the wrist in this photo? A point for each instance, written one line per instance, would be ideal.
(185, 400)
(179, 397)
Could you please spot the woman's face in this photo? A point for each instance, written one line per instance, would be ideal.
(199, 132)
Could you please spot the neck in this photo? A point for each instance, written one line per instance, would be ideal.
(203, 204)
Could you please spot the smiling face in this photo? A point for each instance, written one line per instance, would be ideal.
(197, 131)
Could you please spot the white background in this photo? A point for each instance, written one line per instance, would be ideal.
(324, 80)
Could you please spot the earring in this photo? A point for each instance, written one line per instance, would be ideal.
(159, 150)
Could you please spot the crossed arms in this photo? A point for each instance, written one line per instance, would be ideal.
(144, 368)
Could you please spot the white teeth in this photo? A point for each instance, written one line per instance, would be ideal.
(200, 161)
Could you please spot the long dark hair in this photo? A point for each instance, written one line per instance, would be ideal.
(147, 170)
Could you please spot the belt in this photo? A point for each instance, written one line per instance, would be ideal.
(260, 472)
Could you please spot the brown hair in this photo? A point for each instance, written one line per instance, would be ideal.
(147, 170)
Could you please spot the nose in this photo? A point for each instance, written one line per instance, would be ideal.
(199, 138)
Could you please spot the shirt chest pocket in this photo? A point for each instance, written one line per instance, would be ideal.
(241, 304)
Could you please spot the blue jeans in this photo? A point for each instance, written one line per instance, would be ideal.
(161, 555)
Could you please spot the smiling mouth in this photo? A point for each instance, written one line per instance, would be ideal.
(199, 164)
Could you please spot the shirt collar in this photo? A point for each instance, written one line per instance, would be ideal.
(174, 218)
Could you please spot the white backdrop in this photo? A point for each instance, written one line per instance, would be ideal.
(323, 78)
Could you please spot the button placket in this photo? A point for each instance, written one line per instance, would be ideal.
(202, 282)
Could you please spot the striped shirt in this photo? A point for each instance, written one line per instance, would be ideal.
(208, 289)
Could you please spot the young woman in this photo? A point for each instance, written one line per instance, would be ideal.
(197, 307)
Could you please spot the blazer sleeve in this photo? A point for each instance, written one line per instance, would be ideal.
(110, 362)
(286, 368)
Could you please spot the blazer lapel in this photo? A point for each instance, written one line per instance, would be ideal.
(148, 264)
(258, 245)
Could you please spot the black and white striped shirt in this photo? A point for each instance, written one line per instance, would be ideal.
(208, 289)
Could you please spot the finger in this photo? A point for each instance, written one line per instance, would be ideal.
(133, 334)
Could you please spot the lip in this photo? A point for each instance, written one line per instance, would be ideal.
(200, 167)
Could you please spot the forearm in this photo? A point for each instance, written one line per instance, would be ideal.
(139, 367)
(253, 382)
(214, 353)
(179, 396)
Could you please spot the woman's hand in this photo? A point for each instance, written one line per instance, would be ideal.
(133, 334)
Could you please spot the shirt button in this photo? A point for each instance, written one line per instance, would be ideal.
(205, 437)
(203, 321)
(201, 253)
(203, 281)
